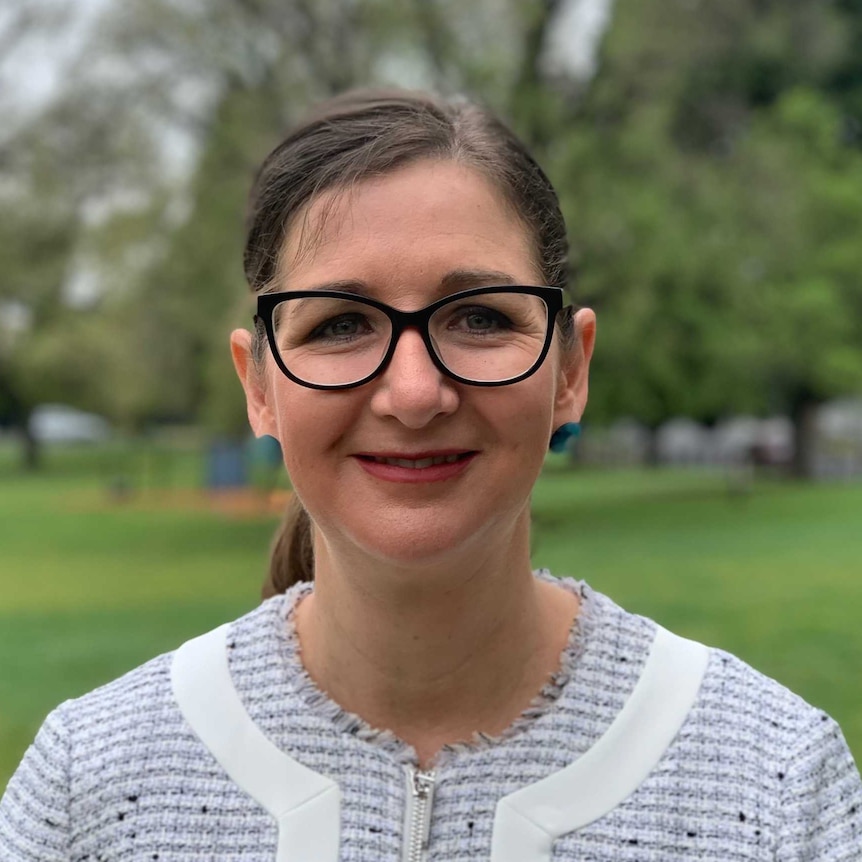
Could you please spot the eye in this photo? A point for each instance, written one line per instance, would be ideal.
(477, 318)
(344, 326)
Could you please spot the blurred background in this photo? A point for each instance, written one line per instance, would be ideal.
(708, 154)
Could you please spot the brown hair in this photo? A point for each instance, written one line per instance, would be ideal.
(369, 133)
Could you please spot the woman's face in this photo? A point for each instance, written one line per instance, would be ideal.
(422, 232)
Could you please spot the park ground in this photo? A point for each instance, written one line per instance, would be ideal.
(102, 567)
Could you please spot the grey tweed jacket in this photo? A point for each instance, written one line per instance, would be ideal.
(752, 774)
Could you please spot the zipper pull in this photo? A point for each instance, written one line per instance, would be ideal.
(423, 783)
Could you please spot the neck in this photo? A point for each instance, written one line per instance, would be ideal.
(438, 652)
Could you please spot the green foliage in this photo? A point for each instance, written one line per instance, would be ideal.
(710, 172)
(715, 207)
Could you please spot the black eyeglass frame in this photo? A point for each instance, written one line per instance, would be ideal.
(401, 320)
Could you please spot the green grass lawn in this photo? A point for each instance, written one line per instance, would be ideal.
(90, 587)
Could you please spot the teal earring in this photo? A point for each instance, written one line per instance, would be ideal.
(560, 438)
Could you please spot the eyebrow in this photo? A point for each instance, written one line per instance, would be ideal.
(454, 280)
(347, 285)
(461, 279)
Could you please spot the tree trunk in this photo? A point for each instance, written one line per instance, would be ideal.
(31, 449)
(804, 417)
(16, 412)
(651, 455)
(527, 111)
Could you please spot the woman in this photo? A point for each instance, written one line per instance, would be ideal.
(412, 690)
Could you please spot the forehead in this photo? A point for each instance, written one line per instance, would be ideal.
(411, 226)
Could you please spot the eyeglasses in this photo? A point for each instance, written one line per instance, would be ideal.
(485, 336)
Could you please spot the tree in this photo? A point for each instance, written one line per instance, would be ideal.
(708, 158)
(807, 300)
(33, 247)
(230, 77)
(686, 168)
(59, 170)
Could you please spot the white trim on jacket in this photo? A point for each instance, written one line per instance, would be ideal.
(528, 821)
(307, 805)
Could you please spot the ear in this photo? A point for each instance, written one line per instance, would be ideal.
(573, 384)
(260, 415)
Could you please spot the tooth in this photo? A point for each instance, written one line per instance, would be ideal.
(419, 463)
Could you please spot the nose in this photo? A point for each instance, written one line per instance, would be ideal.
(412, 389)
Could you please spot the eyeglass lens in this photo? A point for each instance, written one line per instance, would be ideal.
(486, 338)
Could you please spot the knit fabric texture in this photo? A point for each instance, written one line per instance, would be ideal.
(755, 773)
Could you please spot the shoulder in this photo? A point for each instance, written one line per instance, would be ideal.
(780, 766)
(107, 734)
(85, 747)
(785, 762)
(739, 695)
(752, 758)
(741, 718)
(125, 703)
(118, 761)
(733, 695)
(140, 704)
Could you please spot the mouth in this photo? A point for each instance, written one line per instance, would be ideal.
(412, 467)
(418, 462)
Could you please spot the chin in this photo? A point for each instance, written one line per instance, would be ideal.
(420, 548)
(423, 539)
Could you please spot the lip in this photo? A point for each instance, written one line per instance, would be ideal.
(456, 462)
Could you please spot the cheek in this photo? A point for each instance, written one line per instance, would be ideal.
(533, 440)
(310, 423)
(524, 415)
(540, 397)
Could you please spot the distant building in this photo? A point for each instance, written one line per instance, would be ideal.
(733, 442)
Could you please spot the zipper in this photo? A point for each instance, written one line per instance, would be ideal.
(417, 815)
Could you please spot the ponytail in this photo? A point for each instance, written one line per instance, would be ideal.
(291, 557)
